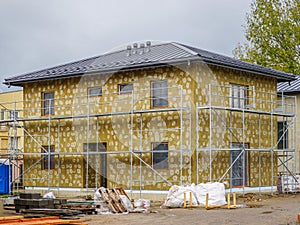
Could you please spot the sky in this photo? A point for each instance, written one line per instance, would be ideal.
(36, 34)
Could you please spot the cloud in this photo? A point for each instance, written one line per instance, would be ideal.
(37, 34)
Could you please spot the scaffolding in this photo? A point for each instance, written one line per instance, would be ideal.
(238, 118)
(85, 113)
(223, 124)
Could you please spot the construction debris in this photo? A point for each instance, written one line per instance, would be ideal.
(35, 200)
(142, 205)
(177, 195)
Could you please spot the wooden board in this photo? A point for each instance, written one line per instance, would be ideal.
(34, 221)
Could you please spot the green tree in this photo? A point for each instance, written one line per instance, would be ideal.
(273, 35)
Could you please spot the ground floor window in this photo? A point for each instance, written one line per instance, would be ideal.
(160, 155)
(45, 158)
(98, 159)
(239, 170)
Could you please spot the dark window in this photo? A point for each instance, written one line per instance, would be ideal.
(282, 135)
(159, 93)
(2, 114)
(45, 158)
(48, 103)
(238, 96)
(160, 155)
(125, 88)
(95, 91)
(13, 115)
(98, 161)
(239, 170)
(14, 143)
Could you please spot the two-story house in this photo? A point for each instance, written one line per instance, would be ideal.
(149, 116)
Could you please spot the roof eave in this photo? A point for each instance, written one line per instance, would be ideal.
(278, 77)
(104, 71)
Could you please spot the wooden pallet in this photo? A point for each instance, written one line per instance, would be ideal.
(17, 220)
(113, 200)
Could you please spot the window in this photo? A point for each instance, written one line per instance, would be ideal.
(14, 143)
(282, 135)
(48, 103)
(45, 158)
(160, 155)
(159, 93)
(98, 161)
(94, 91)
(2, 114)
(239, 170)
(125, 88)
(13, 115)
(238, 96)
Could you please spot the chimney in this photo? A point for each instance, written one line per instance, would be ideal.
(134, 50)
(148, 44)
(142, 47)
(128, 50)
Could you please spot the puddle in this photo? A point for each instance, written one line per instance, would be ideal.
(267, 212)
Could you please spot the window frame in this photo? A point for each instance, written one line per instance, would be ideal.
(95, 95)
(2, 114)
(282, 126)
(241, 100)
(159, 96)
(246, 160)
(13, 114)
(44, 158)
(45, 101)
(122, 86)
(157, 165)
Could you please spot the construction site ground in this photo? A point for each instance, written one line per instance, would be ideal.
(257, 209)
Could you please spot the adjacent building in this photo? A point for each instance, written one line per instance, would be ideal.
(11, 134)
(290, 89)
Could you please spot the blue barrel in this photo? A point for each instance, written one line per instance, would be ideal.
(4, 178)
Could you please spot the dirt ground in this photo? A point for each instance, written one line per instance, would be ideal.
(263, 209)
(259, 209)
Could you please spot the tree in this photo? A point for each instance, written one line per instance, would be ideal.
(273, 35)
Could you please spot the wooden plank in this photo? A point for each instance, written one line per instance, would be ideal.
(45, 220)
(10, 217)
(191, 198)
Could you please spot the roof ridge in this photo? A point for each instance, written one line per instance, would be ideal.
(181, 46)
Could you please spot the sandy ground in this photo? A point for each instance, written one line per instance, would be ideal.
(261, 209)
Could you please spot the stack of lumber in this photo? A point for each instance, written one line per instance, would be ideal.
(15, 220)
(84, 208)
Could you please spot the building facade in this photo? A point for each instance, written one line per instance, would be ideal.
(151, 116)
(12, 136)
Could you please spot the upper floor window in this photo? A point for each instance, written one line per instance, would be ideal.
(125, 88)
(13, 115)
(47, 163)
(160, 155)
(94, 91)
(2, 114)
(48, 103)
(159, 93)
(283, 135)
(238, 96)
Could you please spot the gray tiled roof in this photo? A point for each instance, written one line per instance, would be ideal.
(154, 55)
(289, 87)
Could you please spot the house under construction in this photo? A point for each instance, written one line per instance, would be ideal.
(150, 116)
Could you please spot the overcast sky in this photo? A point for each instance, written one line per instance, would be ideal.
(35, 34)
